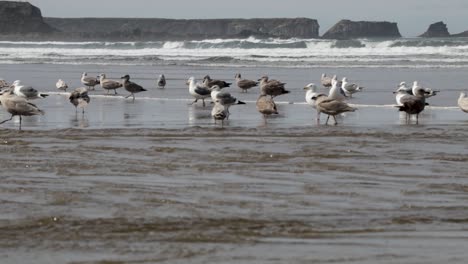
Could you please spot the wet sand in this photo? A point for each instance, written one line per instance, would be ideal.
(156, 181)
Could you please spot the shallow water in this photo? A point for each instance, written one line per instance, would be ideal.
(156, 181)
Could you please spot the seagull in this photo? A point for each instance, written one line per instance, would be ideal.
(336, 92)
(3, 83)
(161, 81)
(17, 106)
(131, 86)
(26, 91)
(89, 81)
(224, 98)
(219, 112)
(413, 104)
(272, 88)
(244, 84)
(108, 84)
(427, 92)
(197, 90)
(266, 106)
(463, 102)
(350, 88)
(61, 85)
(326, 81)
(402, 91)
(208, 82)
(331, 107)
(79, 98)
(311, 91)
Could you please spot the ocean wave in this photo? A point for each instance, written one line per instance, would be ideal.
(409, 52)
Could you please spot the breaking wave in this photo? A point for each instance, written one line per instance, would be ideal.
(405, 52)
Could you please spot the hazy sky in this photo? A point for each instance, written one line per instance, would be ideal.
(413, 16)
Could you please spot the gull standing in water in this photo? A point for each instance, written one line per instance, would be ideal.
(463, 102)
(413, 104)
(244, 84)
(224, 98)
(266, 106)
(80, 98)
(197, 90)
(108, 84)
(219, 112)
(331, 107)
(61, 85)
(272, 88)
(17, 106)
(161, 81)
(311, 91)
(89, 81)
(131, 86)
(26, 91)
(350, 88)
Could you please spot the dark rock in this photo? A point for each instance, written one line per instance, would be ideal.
(149, 28)
(21, 18)
(436, 30)
(463, 34)
(347, 29)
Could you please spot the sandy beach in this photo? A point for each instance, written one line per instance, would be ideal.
(157, 181)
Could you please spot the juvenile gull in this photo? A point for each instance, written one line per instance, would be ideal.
(108, 84)
(79, 98)
(61, 85)
(208, 82)
(326, 81)
(131, 86)
(26, 91)
(272, 88)
(219, 112)
(17, 106)
(197, 90)
(224, 98)
(89, 81)
(331, 107)
(161, 81)
(350, 88)
(266, 106)
(463, 102)
(3, 83)
(413, 104)
(244, 84)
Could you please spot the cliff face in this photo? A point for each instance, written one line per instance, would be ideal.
(436, 30)
(20, 18)
(463, 34)
(347, 29)
(186, 29)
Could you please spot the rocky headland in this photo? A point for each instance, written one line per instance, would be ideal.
(23, 21)
(347, 29)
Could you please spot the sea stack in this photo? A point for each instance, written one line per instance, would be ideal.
(347, 29)
(21, 18)
(436, 30)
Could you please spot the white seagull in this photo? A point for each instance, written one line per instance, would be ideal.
(197, 90)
